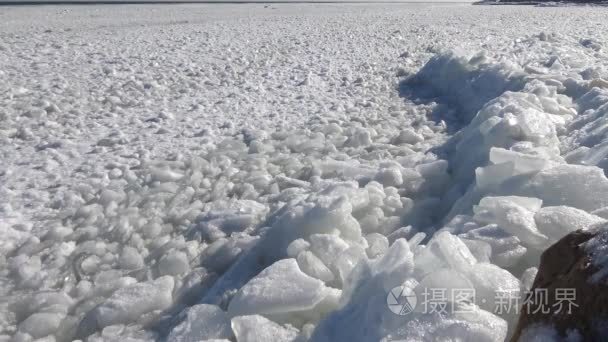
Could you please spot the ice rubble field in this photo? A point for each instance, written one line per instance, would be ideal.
(271, 172)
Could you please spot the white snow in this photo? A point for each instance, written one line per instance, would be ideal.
(271, 171)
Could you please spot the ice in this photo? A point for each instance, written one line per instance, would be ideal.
(505, 247)
(472, 324)
(282, 287)
(446, 249)
(328, 248)
(389, 177)
(513, 214)
(489, 279)
(556, 222)
(416, 240)
(365, 298)
(164, 185)
(256, 328)
(466, 77)
(444, 278)
(130, 259)
(492, 176)
(534, 126)
(165, 174)
(378, 244)
(221, 254)
(522, 163)
(314, 267)
(510, 257)
(348, 260)
(129, 303)
(601, 212)
(400, 233)
(296, 247)
(203, 322)
(482, 251)
(452, 250)
(408, 136)
(173, 263)
(397, 263)
(527, 279)
(578, 186)
(360, 137)
(41, 324)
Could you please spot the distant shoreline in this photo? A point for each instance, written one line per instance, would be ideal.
(542, 3)
(167, 2)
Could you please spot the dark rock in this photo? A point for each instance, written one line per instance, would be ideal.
(567, 265)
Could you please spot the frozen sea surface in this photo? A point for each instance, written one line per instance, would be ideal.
(271, 172)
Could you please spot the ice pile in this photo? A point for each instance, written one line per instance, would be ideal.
(128, 254)
(515, 193)
(301, 235)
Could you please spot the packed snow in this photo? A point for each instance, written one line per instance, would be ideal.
(271, 172)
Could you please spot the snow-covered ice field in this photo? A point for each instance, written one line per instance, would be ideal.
(270, 172)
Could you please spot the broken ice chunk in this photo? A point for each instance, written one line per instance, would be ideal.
(130, 259)
(389, 177)
(164, 174)
(296, 247)
(408, 136)
(314, 267)
(445, 278)
(557, 222)
(416, 240)
(378, 244)
(348, 260)
(173, 263)
(506, 248)
(396, 264)
(333, 213)
(203, 321)
(256, 328)
(522, 163)
(364, 298)
(601, 212)
(514, 214)
(328, 248)
(400, 233)
(361, 137)
(127, 304)
(534, 125)
(452, 250)
(488, 280)
(468, 324)
(493, 175)
(527, 278)
(583, 187)
(509, 257)
(281, 287)
(41, 324)
(482, 251)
